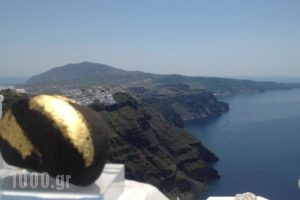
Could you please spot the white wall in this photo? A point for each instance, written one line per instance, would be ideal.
(1, 99)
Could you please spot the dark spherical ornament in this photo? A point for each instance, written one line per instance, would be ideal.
(53, 134)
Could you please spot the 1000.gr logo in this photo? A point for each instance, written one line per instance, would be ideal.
(43, 180)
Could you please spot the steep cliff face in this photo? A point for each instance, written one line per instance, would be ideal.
(178, 102)
(156, 152)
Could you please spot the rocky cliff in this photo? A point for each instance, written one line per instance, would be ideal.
(155, 151)
(178, 103)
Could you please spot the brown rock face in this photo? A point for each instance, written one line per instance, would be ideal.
(53, 134)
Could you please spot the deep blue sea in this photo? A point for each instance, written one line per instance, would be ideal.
(258, 143)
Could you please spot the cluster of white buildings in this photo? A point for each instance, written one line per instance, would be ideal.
(84, 96)
(88, 96)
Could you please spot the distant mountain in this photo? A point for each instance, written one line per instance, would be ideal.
(225, 86)
(87, 73)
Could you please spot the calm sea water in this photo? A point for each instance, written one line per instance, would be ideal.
(258, 143)
(12, 80)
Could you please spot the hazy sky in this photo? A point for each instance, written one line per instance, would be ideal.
(192, 37)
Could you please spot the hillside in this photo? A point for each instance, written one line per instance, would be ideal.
(156, 152)
(87, 73)
(225, 86)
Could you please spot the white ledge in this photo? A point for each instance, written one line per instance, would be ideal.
(109, 186)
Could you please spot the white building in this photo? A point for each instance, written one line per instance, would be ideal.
(20, 91)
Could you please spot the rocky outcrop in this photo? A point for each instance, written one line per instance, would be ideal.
(156, 152)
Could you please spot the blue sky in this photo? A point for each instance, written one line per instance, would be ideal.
(199, 38)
